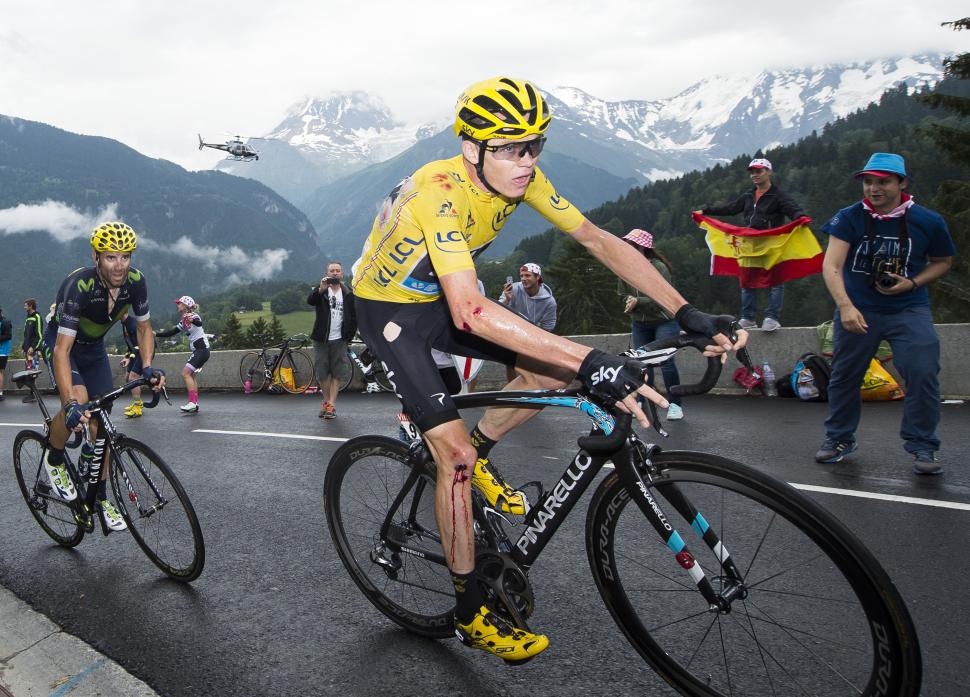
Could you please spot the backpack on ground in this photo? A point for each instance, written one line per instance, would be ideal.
(810, 378)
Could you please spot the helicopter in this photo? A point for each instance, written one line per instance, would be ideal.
(236, 149)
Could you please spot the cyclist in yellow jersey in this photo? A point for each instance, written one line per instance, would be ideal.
(417, 289)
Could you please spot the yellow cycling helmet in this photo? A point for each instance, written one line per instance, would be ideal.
(114, 237)
(501, 107)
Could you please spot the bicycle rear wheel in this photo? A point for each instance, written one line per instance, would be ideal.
(54, 515)
(350, 373)
(301, 369)
(363, 478)
(157, 510)
(815, 615)
(380, 377)
(251, 368)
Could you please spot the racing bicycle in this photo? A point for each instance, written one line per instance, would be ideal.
(724, 579)
(369, 368)
(280, 365)
(146, 491)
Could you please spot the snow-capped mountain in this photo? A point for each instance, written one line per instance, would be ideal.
(323, 139)
(334, 136)
(723, 116)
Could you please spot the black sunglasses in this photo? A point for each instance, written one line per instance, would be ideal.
(516, 151)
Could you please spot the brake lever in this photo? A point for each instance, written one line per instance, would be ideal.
(655, 420)
(164, 391)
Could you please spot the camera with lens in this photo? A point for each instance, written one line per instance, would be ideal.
(882, 267)
(331, 281)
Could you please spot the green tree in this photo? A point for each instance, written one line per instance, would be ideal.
(276, 331)
(950, 294)
(257, 334)
(288, 300)
(585, 293)
(232, 333)
(248, 299)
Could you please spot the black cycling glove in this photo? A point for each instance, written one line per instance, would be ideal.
(693, 321)
(72, 414)
(150, 373)
(608, 377)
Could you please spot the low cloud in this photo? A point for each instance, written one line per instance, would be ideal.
(65, 223)
(237, 263)
(62, 222)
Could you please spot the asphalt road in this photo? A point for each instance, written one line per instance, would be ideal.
(274, 612)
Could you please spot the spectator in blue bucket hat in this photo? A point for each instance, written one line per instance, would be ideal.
(882, 253)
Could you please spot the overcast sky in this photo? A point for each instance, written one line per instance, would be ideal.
(152, 75)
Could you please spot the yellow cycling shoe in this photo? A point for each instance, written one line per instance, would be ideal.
(498, 494)
(489, 632)
(134, 409)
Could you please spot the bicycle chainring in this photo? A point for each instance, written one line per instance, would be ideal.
(505, 586)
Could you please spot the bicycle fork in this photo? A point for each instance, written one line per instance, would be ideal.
(632, 475)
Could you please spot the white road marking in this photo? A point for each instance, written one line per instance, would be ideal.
(870, 495)
(883, 497)
(609, 465)
(23, 425)
(262, 434)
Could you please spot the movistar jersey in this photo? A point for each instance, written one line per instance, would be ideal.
(82, 304)
(436, 222)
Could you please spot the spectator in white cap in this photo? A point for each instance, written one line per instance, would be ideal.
(191, 325)
(762, 208)
(649, 321)
(531, 298)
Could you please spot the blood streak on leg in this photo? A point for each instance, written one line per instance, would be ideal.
(465, 327)
(461, 476)
(477, 311)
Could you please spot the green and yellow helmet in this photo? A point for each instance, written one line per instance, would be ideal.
(501, 107)
(114, 237)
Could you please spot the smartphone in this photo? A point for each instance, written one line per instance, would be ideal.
(508, 280)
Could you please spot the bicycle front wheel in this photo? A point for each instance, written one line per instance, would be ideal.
(251, 368)
(363, 478)
(53, 514)
(157, 510)
(812, 612)
(301, 368)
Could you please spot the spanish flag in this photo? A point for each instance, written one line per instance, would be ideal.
(762, 258)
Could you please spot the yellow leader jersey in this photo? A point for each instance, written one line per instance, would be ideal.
(436, 222)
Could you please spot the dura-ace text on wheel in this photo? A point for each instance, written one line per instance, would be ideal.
(809, 613)
(363, 479)
(157, 510)
(55, 516)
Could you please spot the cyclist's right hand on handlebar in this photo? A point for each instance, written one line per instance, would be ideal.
(720, 328)
(618, 380)
(155, 377)
(74, 415)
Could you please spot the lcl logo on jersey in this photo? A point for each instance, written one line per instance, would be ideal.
(499, 220)
(446, 241)
(558, 202)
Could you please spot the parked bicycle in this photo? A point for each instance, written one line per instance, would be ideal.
(146, 491)
(777, 598)
(370, 370)
(281, 365)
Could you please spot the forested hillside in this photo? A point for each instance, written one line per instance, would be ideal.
(816, 171)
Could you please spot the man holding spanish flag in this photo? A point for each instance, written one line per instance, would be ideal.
(765, 253)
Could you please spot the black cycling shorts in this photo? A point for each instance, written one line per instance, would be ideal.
(89, 364)
(414, 329)
(200, 354)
